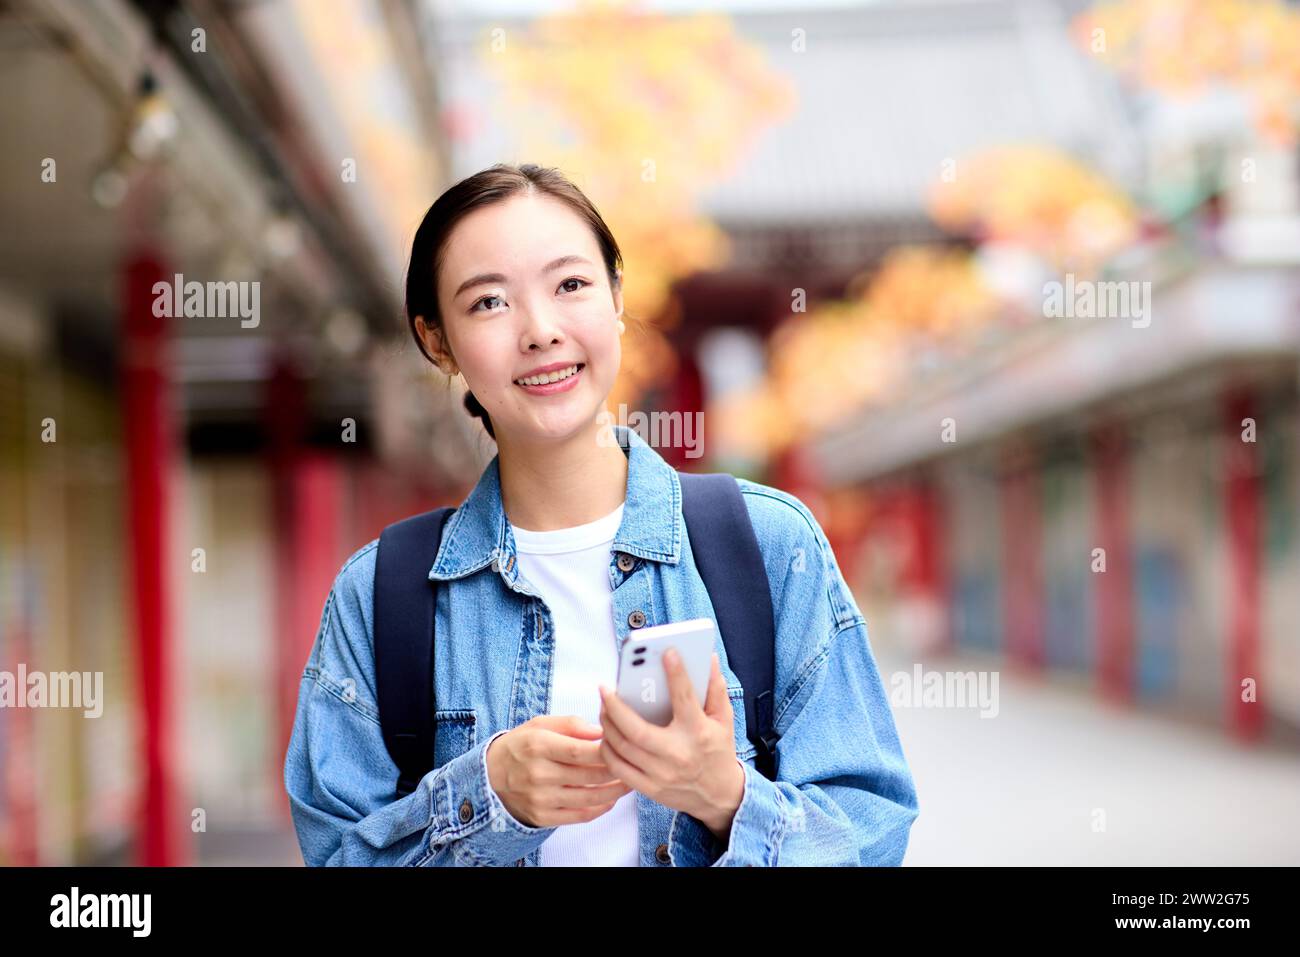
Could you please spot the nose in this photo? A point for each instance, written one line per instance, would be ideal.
(540, 329)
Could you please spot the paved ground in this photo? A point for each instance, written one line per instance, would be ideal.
(1023, 787)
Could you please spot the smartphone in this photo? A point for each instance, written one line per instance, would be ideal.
(642, 679)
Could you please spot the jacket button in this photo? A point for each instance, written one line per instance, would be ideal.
(496, 566)
(466, 811)
(636, 619)
(625, 562)
(661, 854)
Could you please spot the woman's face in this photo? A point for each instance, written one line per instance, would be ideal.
(523, 286)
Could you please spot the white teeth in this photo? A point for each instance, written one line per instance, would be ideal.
(555, 376)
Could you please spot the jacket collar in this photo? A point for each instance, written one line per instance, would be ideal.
(478, 533)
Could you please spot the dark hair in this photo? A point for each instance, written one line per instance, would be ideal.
(491, 185)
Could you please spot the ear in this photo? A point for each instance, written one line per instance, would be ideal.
(618, 294)
(431, 336)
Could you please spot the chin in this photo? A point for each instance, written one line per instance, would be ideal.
(562, 425)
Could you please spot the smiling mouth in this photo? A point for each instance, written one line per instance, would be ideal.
(551, 378)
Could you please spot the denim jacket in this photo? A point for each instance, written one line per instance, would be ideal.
(844, 794)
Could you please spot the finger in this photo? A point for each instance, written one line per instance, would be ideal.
(718, 703)
(682, 694)
(618, 712)
(570, 724)
(626, 772)
(580, 728)
(646, 760)
(573, 775)
(563, 749)
(590, 796)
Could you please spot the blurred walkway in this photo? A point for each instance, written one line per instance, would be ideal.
(1021, 787)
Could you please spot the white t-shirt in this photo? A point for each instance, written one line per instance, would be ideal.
(570, 567)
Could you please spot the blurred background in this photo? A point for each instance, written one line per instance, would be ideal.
(1007, 291)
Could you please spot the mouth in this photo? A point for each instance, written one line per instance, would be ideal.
(562, 380)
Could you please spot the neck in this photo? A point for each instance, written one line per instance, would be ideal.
(559, 484)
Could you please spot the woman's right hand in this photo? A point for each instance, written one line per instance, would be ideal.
(548, 771)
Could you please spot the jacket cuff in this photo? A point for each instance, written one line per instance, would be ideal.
(756, 830)
(469, 821)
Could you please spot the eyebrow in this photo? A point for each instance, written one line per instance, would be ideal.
(483, 279)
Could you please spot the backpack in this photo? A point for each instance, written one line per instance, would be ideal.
(726, 553)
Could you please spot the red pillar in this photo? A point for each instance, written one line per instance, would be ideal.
(685, 396)
(905, 522)
(1113, 588)
(286, 424)
(929, 522)
(150, 436)
(1242, 514)
(793, 470)
(319, 482)
(307, 499)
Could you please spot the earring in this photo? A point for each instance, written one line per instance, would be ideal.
(621, 327)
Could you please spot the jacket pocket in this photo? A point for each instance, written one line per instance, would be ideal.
(745, 749)
(454, 733)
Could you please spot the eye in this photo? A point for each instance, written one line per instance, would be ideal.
(574, 279)
(475, 307)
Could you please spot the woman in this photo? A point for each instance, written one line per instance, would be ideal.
(572, 538)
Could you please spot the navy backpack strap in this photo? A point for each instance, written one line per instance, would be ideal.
(403, 637)
(731, 564)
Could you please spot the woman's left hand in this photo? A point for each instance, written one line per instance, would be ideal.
(690, 764)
